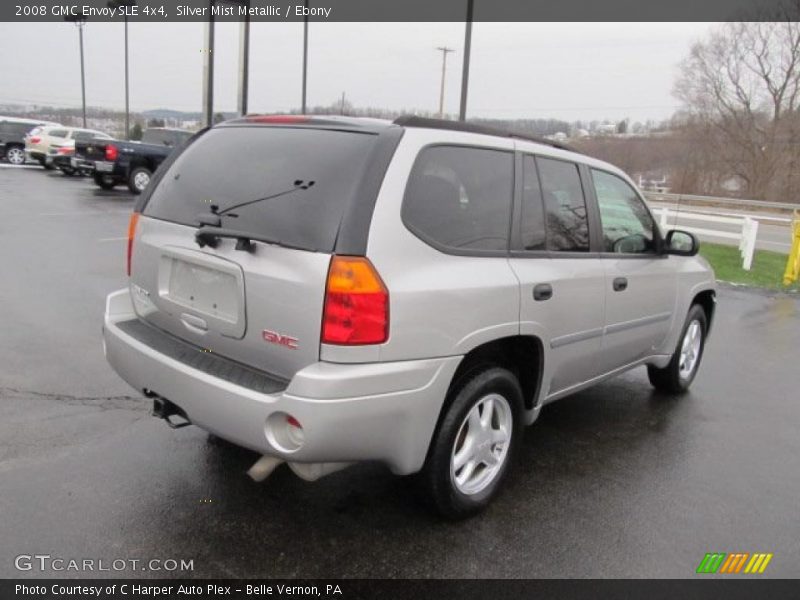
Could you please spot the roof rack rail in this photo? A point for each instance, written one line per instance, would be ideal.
(413, 121)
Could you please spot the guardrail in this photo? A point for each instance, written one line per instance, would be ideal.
(741, 202)
(746, 235)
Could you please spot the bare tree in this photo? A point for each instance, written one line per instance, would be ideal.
(741, 90)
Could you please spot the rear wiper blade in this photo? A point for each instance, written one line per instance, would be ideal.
(209, 236)
(213, 219)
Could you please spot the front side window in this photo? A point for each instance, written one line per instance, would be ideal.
(460, 197)
(628, 227)
(565, 206)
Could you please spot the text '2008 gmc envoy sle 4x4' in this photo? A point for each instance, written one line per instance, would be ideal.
(410, 293)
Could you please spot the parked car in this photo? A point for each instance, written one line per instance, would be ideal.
(60, 155)
(40, 140)
(411, 293)
(133, 163)
(12, 137)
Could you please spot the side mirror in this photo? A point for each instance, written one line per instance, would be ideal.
(681, 243)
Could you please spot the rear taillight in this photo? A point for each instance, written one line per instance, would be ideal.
(356, 308)
(111, 152)
(134, 221)
(65, 150)
(35, 139)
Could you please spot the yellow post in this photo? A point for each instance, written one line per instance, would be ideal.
(793, 264)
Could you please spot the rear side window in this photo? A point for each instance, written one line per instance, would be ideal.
(565, 207)
(459, 198)
(60, 133)
(303, 180)
(14, 129)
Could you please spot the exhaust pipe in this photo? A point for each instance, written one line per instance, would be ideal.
(263, 467)
(313, 471)
(164, 409)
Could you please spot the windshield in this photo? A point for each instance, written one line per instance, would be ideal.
(232, 166)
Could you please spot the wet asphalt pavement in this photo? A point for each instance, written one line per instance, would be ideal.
(616, 481)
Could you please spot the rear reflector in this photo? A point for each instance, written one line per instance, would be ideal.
(134, 221)
(356, 308)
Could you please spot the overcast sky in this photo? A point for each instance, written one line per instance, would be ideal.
(564, 70)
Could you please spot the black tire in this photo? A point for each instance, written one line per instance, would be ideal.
(46, 165)
(136, 177)
(67, 171)
(437, 479)
(104, 181)
(672, 378)
(15, 155)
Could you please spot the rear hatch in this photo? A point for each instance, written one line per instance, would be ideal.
(256, 298)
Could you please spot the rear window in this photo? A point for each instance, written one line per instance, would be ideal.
(168, 137)
(88, 134)
(303, 180)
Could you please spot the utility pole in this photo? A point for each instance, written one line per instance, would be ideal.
(244, 61)
(462, 112)
(341, 107)
(208, 70)
(127, 87)
(124, 5)
(445, 51)
(303, 106)
(80, 21)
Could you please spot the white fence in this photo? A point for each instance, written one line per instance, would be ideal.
(748, 229)
(717, 201)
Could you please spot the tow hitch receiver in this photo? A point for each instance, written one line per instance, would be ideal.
(164, 409)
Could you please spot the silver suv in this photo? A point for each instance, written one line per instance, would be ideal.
(329, 290)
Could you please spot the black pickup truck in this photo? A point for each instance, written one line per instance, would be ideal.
(115, 162)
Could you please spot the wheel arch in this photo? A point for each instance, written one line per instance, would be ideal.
(707, 299)
(523, 355)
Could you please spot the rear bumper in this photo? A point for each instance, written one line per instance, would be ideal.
(81, 163)
(349, 412)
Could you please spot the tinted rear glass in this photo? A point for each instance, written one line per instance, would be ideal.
(460, 198)
(88, 135)
(232, 165)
